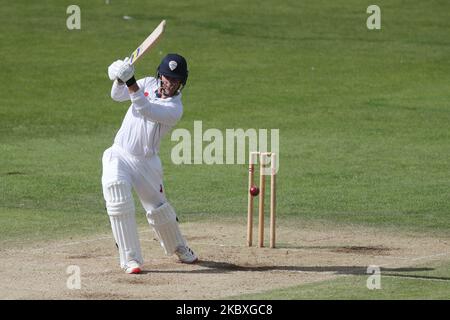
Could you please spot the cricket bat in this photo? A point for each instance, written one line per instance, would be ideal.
(148, 43)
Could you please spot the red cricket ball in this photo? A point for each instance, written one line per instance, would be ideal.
(254, 191)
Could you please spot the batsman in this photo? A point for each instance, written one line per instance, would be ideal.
(133, 161)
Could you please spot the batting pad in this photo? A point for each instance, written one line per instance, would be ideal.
(164, 222)
(121, 211)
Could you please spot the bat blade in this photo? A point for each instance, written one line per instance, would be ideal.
(148, 43)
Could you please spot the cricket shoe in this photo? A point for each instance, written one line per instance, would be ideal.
(133, 267)
(185, 254)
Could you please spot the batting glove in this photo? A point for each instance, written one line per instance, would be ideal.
(113, 69)
(126, 70)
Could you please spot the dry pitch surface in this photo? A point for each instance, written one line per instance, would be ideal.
(226, 267)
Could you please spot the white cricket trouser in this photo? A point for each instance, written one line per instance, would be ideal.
(121, 173)
(145, 175)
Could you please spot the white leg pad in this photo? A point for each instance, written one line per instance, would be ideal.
(121, 211)
(164, 221)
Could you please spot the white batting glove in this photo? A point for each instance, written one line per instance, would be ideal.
(113, 69)
(126, 70)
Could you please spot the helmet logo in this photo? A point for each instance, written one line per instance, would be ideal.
(172, 65)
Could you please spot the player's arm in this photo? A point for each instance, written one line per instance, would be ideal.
(119, 91)
(167, 113)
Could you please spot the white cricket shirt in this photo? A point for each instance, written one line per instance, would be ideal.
(148, 119)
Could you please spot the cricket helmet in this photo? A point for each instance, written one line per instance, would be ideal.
(175, 66)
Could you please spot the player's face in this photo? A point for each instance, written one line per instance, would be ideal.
(169, 86)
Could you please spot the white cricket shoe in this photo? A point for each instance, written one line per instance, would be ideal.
(185, 254)
(133, 267)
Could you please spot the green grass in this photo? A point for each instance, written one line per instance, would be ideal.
(363, 115)
(424, 283)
